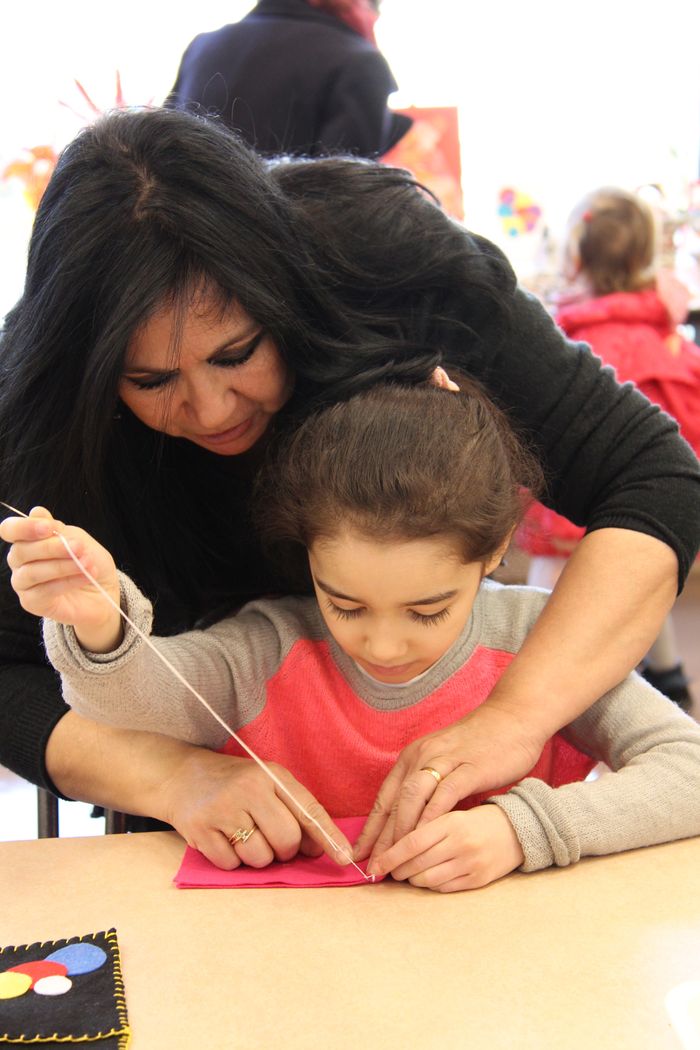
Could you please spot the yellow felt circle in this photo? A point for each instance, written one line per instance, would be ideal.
(14, 984)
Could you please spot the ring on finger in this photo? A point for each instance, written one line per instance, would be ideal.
(241, 835)
(433, 772)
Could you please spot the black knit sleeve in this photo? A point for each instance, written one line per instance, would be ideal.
(30, 690)
(612, 459)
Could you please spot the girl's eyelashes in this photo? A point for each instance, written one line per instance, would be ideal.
(344, 614)
(428, 619)
(223, 360)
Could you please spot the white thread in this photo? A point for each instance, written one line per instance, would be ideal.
(256, 758)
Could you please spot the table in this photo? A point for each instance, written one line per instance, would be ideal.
(565, 959)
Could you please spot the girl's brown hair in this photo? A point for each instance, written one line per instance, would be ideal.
(612, 241)
(398, 462)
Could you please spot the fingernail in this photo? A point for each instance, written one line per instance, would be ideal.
(42, 530)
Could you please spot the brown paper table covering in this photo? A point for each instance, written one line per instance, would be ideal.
(577, 958)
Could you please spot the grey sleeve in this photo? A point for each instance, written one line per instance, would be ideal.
(227, 664)
(650, 795)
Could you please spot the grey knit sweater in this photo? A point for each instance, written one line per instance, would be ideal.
(276, 676)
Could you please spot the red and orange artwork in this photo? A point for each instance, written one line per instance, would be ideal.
(430, 151)
(33, 169)
(35, 164)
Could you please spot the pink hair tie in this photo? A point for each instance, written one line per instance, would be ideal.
(587, 216)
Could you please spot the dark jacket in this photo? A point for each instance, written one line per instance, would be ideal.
(292, 79)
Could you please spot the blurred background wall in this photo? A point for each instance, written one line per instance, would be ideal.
(553, 99)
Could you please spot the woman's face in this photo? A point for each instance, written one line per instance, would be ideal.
(223, 389)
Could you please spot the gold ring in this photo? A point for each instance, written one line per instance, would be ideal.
(433, 773)
(241, 835)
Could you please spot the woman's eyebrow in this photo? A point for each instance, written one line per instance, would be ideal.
(243, 337)
(143, 370)
(432, 600)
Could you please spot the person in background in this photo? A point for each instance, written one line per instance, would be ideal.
(297, 77)
(398, 503)
(183, 299)
(612, 301)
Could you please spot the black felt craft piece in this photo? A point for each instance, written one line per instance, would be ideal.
(93, 1010)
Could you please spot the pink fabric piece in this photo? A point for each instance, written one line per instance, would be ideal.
(196, 872)
(308, 695)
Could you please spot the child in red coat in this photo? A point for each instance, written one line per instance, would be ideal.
(613, 304)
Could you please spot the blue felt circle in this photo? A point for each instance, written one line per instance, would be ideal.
(79, 958)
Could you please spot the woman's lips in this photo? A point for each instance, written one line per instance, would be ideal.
(226, 436)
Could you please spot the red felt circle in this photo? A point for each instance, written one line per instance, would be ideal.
(40, 968)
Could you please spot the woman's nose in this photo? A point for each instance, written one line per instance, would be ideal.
(211, 403)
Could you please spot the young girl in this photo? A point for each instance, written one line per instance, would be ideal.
(610, 261)
(401, 500)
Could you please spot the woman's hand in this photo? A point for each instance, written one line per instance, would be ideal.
(458, 851)
(49, 583)
(596, 626)
(206, 796)
(209, 797)
(489, 748)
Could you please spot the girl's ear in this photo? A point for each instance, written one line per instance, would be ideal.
(495, 559)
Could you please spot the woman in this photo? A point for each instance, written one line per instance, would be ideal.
(182, 300)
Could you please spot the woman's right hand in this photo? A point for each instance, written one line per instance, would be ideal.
(48, 582)
(210, 796)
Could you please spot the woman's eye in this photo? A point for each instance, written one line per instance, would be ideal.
(239, 358)
(152, 383)
(232, 360)
(344, 614)
(430, 619)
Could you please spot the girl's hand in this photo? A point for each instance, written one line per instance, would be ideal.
(491, 747)
(458, 851)
(49, 583)
(210, 796)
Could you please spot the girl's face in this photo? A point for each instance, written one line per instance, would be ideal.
(227, 383)
(395, 608)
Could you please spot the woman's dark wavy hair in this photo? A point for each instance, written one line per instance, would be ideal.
(355, 272)
(142, 209)
(416, 288)
(397, 462)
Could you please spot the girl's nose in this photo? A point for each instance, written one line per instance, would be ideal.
(385, 647)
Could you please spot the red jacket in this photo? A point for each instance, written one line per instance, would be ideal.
(632, 332)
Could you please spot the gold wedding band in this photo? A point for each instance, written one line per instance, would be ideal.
(241, 835)
(433, 773)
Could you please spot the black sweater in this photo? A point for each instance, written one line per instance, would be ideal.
(612, 460)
